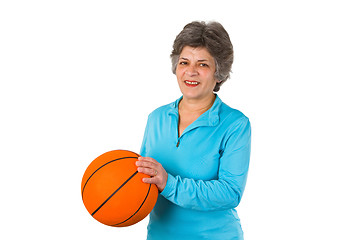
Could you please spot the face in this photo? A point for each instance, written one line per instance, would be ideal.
(195, 73)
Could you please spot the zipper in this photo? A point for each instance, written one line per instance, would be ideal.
(178, 143)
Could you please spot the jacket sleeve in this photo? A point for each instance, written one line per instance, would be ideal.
(224, 192)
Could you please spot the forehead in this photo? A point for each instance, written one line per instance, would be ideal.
(198, 53)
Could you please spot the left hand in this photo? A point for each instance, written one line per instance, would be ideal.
(154, 169)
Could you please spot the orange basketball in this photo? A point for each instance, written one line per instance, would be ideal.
(113, 192)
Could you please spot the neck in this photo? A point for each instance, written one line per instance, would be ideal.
(196, 105)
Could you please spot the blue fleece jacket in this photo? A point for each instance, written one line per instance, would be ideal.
(207, 168)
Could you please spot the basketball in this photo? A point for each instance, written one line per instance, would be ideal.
(113, 192)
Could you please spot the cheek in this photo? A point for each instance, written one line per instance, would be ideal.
(210, 77)
(178, 72)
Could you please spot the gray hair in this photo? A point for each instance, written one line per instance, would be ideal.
(215, 39)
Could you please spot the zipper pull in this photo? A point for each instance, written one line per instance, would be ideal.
(178, 143)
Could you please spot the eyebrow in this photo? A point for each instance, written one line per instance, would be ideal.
(200, 60)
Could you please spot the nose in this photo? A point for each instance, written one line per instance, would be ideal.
(191, 71)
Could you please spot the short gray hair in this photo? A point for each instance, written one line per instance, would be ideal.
(214, 38)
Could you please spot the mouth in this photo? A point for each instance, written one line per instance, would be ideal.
(191, 83)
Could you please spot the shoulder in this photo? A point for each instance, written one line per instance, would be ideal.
(236, 125)
(233, 122)
(162, 111)
(232, 115)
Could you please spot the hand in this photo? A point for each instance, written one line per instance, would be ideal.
(154, 169)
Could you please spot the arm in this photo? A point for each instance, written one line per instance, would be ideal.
(223, 193)
(227, 190)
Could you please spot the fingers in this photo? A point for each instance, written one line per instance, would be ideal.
(154, 169)
(146, 163)
(148, 171)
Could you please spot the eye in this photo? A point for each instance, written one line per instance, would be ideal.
(203, 65)
(182, 63)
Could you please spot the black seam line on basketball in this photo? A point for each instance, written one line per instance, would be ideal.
(114, 193)
(147, 194)
(82, 193)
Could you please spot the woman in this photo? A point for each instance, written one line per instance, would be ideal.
(197, 149)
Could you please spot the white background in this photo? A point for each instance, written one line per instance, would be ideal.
(78, 78)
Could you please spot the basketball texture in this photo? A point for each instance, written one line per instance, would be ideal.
(113, 192)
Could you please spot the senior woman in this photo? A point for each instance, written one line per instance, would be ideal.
(197, 149)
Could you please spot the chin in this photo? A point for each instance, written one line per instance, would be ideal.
(190, 94)
(194, 93)
(193, 96)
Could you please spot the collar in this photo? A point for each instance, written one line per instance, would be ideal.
(208, 118)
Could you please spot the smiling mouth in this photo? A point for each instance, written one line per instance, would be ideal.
(191, 83)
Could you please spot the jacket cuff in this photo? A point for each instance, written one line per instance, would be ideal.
(169, 187)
